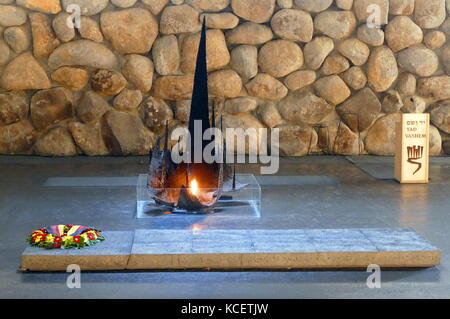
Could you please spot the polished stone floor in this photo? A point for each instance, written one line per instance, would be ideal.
(356, 200)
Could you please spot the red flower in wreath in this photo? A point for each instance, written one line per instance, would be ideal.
(76, 239)
(37, 233)
(57, 242)
(90, 236)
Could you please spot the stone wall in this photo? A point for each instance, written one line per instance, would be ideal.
(313, 68)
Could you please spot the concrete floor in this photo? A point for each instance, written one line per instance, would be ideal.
(359, 201)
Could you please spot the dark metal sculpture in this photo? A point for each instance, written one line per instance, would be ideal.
(192, 186)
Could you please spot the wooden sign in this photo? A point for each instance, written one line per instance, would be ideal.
(412, 149)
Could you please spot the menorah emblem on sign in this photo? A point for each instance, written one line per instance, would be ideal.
(415, 153)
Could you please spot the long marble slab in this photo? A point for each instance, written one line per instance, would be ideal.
(281, 249)
(244, 249)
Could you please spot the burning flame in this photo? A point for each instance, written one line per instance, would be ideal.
(194, 187)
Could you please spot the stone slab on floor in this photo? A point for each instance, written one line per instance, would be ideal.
(117, 181)
(242, 249)
(380, 168)
(111, 254)
(281, 249)
(298, 180)
(131, 181)
(383, 167)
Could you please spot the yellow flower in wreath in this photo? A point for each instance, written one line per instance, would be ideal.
(38, 238)
(49, 238)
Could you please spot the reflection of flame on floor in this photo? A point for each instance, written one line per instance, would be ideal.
(197, 227)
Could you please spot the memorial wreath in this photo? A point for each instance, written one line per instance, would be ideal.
(65, 236)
